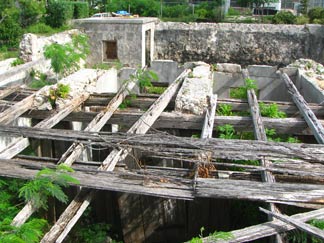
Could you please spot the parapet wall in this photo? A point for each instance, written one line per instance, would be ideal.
(244, 44)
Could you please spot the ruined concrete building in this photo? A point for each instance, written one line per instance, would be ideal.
(207, 151)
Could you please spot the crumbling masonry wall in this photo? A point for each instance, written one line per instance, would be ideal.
(244, 44)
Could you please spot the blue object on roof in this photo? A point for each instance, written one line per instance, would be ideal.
(123, 12)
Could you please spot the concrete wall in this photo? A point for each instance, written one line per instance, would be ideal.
(129, 34)
(244, 44)
(270, 87)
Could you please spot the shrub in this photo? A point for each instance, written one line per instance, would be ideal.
(58, 13)
(233, 12)
(30, 12)
(302, 20)
(316, 13)
(10, 32)
(284, 17)
(40, 28)
(81, 10)
(17, 62)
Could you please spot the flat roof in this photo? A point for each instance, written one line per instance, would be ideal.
(118, 20)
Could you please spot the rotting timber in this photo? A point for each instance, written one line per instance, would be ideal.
(297, 168)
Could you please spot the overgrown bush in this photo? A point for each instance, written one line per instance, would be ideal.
(39, 28)
(233, 12)
(302, 20)
(81, 10)
(30, 12)
(58, 13)
(316, 15)
(10, 30)
(284, 17)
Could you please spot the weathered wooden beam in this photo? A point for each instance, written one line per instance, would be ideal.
(169, 120)
(8, 91)
(21, 143)
(75, 150)
(76, 208)
(260, 134)
(150, 182)
(13, 112)
(309, 116)
(167, 145)
(208, 127)
(260, 231)
(259, 191)
(312, 230)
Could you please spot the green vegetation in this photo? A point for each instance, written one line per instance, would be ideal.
(29, 232)
(224, 110)
(241, 92)
(38, 80)
(155, 90)
(106, 66)
(217, 235)
(66, 58)
(60, 91)
(227, 132)
(284, 17)
(316, 15)
(48, 183)
(17, 62)
(271, 111)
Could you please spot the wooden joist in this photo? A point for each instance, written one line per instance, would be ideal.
(21, 143)
(13, 112)
(76, 208)
(162, 144)
(260, 134)
(267, 229)
(309, 116)
(312, 230)
(150, 182)
(8, 91)
(170, 120)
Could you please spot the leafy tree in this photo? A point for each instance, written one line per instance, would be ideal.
(58, 13)
(31, 11)
(66, 58)
(304, 6)
(316, 14)
(284, 17)
(47, 182)
(10, 30)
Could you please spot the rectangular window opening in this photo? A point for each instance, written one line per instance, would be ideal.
(109, 50)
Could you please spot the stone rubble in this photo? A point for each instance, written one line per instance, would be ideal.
(192, 97)
(80, 82)
(32, 46)
(312, 70)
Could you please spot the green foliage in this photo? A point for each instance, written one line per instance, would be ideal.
(233, 12)
(155, 90)
(30, 11)
(5, 54)
(10, 30)
(271, 110)
(145, 78)
(304, 6)
(66, 58)
(29, 232)
(226, 132)
(48, 183)
(58, 13)
(284, 17)
(273, 137)
(60, 91)
(316, 14)
(17, 62)
(217, 235)
(224, 110)
(302, 20)
(241, 92)
(106, 66)
(92, 233)
(81, 10)
(40, 28)
(38, 80)
(142, 7)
